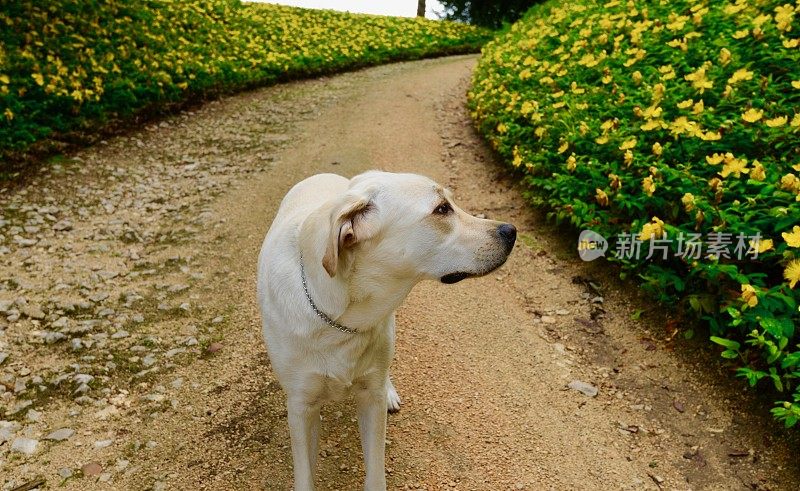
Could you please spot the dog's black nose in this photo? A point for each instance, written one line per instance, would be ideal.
(508, 233)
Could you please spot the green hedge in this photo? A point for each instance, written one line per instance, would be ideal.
(73, 65)
(637, 119)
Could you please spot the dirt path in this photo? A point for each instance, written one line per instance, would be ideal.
(172, 222)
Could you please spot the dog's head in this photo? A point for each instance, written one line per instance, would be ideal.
(407, 226)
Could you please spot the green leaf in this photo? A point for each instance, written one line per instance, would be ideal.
(778, 327)
(791, 360)
(730, 344)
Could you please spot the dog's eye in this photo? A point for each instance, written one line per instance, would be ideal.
(443, 209)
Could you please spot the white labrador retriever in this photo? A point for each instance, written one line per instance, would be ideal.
(339, 258)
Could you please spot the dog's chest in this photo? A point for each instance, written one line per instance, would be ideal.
(354, 366)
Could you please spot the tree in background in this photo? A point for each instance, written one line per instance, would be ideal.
(487, 13)
(421, 8)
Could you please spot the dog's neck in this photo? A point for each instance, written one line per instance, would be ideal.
(353, 297)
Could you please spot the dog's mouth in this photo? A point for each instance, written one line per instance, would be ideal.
(451, 278)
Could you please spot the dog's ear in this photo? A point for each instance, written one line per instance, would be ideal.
(348, 227)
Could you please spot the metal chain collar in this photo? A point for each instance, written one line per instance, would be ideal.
(322, 315)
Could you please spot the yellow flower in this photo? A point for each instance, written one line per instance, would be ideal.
(517, 157)
(792, 272)
(502, 128)
(791, 43)
(790, 182)
(796, 84)
(699, 80)
(572, 163)
(685, 104)
(752, 115)
(637, 77)
(648, 186)
(614, 182)
(8, 114)
(601, 140)
(711, 136)
(783, 17)
(664, 69)
(651, 125)
(653, 228)
(761, 245)
(792, 238)
(652, 112)
(4, 79)
(601, 197)
(699, 217)
(628, 158)
(682, 125)
(795, 121)
(727, 92)
(688, 202)
(741, 34)
(715, 159)
(776, 122)
(678, 43)
(628, 144)
(37, 77)
(749, 295)
(739, 75)
(563, 148)
(698, 108)
(734, 166)
(760, 20)
(758, 173)
(657, 149)
(607, 79)
(527, 108)
(724, 56)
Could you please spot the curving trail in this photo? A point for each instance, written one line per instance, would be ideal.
(482, 366)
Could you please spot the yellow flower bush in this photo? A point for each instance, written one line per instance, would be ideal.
(67, 65)
(694, 108)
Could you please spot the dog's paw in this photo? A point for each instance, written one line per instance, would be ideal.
(392, 399)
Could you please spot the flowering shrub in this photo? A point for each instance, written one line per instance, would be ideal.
(660, 120)
(70, 65)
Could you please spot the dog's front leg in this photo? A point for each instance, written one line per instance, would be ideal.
(304, 431)
(371, 402)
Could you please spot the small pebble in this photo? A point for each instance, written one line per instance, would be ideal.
(60, 434)
(24, 445)
(583, 387)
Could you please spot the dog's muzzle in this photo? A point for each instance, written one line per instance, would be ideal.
(507, 234)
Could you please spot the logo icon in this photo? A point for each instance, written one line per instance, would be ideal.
(591, 245)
